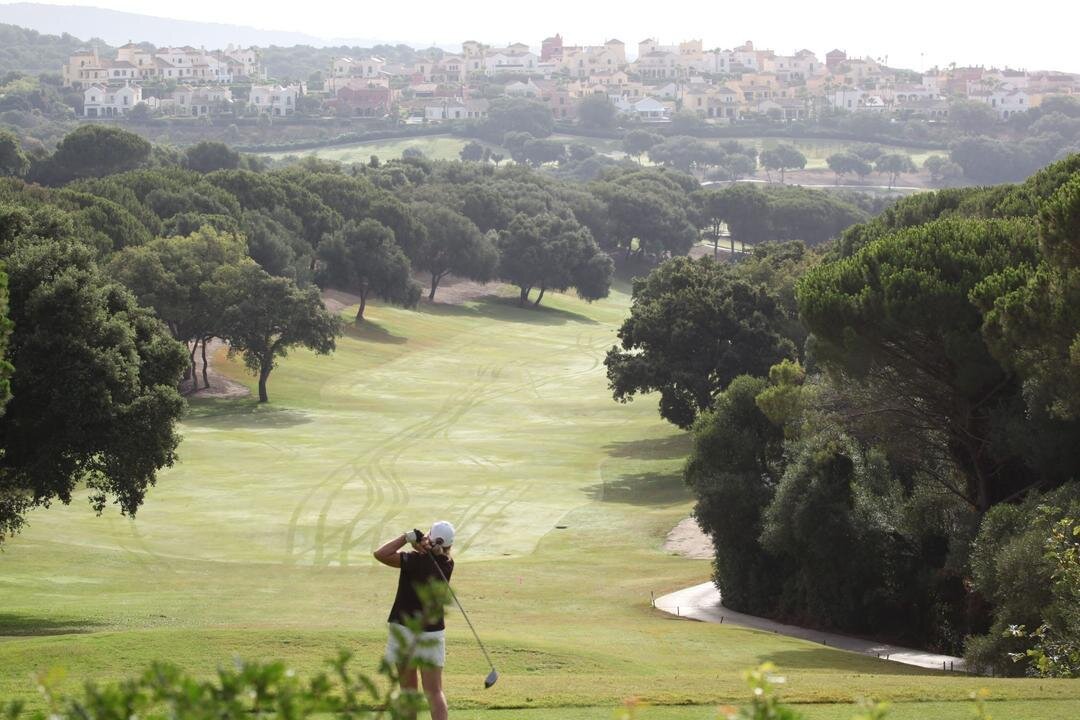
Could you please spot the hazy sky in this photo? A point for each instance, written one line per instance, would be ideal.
(1037, 34)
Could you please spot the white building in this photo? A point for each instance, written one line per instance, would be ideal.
(507, 62)
(523, 89)
(200, 101)
(274, 99)
(1004, 102)
(104, 101)
(369, 67)
(651, 110)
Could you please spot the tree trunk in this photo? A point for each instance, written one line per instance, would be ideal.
(732, 248)
(524, 295)
(264, 375)
(360, 310)
(192, 369)
(205, 374)
(540, 296)
(435, 278)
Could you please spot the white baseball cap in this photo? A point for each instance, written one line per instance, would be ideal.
(442, 533)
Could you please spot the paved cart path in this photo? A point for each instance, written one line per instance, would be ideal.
(702, 602)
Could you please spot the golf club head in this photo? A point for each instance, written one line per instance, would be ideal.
(490, 679)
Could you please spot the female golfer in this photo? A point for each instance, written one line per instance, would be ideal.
(418, 568)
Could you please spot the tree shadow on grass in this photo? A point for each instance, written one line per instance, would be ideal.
(823, 658)
(663, 448)
(655, 489)
(369, 331)
(506, 309)
(13, 625)
(242, 413)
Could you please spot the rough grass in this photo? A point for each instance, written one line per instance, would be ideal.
(257, 544)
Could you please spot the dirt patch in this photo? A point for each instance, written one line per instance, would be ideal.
(456, 291)
(336, 300)
(451, 291)
(220, 386)
(688, 540)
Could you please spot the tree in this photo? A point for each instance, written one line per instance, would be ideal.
(693, 327)
(172, 275)
(1024, 560)
(686, 153)
(514, 141)
(986, 160)
(267, 316)
(208, 156)
(363, 258)
(538, 152)
(13, 160)
(472, 151)
(550, 252)
(733, 470)
(782, 157)
(649, 211)
(845, 163)
(596, 111)
(94, 400)
(637, 142)
(508, 114)
(92, 151)
(972, 117)
(894, 164)
(5, 340)
(740, 165)
(942, 170)
(867, 151)
(1033, 313)
(454, 245)
(910, 332)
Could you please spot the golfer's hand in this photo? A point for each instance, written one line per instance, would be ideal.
(424, 546)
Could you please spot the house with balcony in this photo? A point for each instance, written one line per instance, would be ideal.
(201, 101)
(101, 100)
(511, 62)
(274, 100)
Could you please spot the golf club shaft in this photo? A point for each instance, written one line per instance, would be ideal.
(463, 613)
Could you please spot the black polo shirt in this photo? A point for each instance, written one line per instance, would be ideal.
(418, 569)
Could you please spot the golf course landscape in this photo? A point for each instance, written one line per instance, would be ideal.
(257, 544)
(448, 147)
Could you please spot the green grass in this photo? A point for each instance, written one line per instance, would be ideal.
(257, 544)
(446, 147)
(436, 147)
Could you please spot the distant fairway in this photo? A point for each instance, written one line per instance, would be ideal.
(448, 147)
(497, 418)
(436, 147)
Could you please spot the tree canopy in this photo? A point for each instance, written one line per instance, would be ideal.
(693, 327)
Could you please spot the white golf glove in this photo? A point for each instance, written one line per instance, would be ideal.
(414, 536)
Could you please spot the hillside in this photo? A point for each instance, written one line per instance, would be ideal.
(32, 53)
(117, 28)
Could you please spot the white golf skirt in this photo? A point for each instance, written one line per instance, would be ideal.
(430, 647)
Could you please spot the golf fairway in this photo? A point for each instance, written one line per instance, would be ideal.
(258, 542)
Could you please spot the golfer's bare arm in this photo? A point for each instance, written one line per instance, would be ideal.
(388, 554)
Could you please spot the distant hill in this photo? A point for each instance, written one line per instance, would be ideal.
(117, 28)
(32, 53)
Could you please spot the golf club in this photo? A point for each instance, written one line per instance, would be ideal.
(493, 675)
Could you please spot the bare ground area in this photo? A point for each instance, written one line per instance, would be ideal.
(220, 386)
(687, 539)
(451, 291)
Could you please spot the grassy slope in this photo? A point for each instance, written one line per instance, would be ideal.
(258, 543)
(446, 147)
